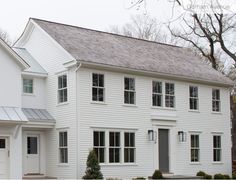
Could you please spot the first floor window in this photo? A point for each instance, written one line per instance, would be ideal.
(129, 147)
(28, 86)
(216, 148)
(63, 148)
(99, 145)
(195, 149)
(114, 147)
(170, 95)
(62, 88)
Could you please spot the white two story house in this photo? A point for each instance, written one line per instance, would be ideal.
(140, 105)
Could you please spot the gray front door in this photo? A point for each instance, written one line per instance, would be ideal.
(163, 135)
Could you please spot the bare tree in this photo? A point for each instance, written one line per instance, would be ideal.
(145, 27)
(208, 34)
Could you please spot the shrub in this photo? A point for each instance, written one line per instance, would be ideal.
(218, 176)
(157, 175)
(93, 167)
(234, 175)
(226, 176)
(201, 173)
(207, 176)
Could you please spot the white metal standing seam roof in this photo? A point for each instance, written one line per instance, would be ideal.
(35, 67)
(12, 114)
(38, 115)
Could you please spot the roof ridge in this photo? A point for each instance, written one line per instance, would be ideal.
(109, 33)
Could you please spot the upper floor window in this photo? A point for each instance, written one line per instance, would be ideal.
(99, 145)
(62, 88)
(216, 100)
(156, 93)
(129, 91)
(28, 86)
(98, 90)
(193, 98)
(63, 147)
(195, 148)
(216, 148)
(170, 95)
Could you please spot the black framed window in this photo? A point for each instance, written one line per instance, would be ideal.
(217, 148)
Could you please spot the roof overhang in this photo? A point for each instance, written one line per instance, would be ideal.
(16, 57)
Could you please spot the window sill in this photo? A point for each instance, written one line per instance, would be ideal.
(215, 112)
(130, 105)
(118, 164)
(163, 108)
(194, 111)
(195, 163)
(63, 165)
(98, 102)
(219, 162)
(28, 94)
(62, 104)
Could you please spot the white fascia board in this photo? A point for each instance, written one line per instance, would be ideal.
(18, 59)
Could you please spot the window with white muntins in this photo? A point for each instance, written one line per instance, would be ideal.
(193, 98)
(129, 91)
(195, 148)
(217, 148)
(63, 147)
(28, 86)
(170, 95)
(62, 88)
(129, 147)
(98, 89)
(216, 100)
(157, 93)
(99, 145)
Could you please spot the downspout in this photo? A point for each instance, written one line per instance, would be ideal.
(77, 121)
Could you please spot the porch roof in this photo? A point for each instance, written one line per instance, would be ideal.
(12, 114)
(38, 115)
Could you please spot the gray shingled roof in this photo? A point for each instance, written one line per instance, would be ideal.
(120, 51)
(35, 67)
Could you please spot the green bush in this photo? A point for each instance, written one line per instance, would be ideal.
(200, 173)
(93, 167)
(226, 176)
(219, 176)
(207, 176)
(157, 175)
(234, 175)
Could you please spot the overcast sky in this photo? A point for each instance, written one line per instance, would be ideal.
(94, 14)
